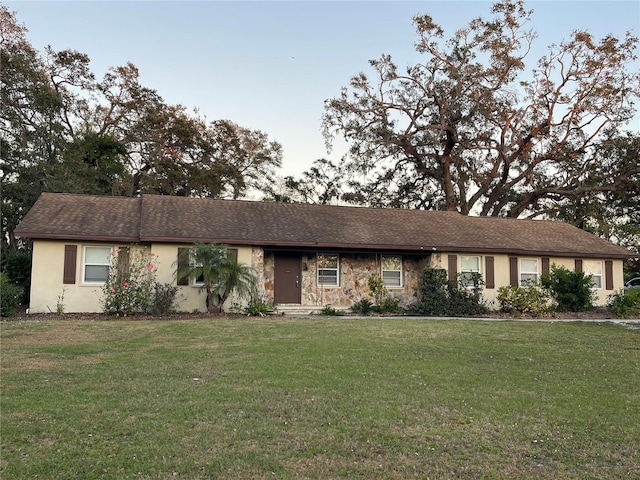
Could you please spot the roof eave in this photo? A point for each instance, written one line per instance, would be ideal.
(392, 247)
(76, 238)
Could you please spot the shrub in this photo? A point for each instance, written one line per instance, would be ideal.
(17, 267)
(131, 282)
(390, 304)
(60, 303)
(377, 289)
(10, 296)
(624, 303)
(440, 296)
(163, 298)
(363, 307)
(329, 310)
(533, 299)
(572, 290)
(258, 309)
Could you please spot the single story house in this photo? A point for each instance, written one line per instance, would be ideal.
(305, 256)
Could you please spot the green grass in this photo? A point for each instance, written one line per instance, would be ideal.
(323, 398)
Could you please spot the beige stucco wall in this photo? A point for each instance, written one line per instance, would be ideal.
(502, 277)
(46, 281)
(47, 288)
(190, 298)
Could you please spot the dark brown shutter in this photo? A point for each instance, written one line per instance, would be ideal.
(513, 271)
(545, 266)
(453, 268)
(123, 264)
(489, 281)
(70, 259)
(183, 262)
(578, 267)
(608, 274)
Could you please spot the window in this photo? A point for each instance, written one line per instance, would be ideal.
(328, 269)
(199, 280)
(593, 268)
(468, 267)
(185, 258)
(96, 264)
(528, 271)
(392, 271)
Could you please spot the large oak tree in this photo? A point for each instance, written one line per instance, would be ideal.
(471, 128)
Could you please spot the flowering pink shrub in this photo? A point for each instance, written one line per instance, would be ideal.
(131, 283)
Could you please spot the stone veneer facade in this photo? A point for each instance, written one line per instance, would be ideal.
(355, 270)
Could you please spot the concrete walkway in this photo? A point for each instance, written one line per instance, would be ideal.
(622, 321)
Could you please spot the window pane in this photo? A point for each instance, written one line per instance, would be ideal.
(97, 255)
(591, 267)
(528, 278)
(529, 266)
(328, 277)
(466, 278)
(328, 261)
(391, 263)
(596, 281)
(391, 278)
(470, 264)
(96, 273)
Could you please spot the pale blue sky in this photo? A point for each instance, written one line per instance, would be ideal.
(270, 65)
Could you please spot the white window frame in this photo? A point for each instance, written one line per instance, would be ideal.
(321, 279)
(194, 280)
(589, 270)
(388, 280)
(466, 280)
(86, 264)
(535, 274)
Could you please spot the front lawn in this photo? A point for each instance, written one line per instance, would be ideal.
(247, 398)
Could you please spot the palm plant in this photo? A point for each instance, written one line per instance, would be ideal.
(220, 274)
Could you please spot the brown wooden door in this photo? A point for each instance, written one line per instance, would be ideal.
(287, 278)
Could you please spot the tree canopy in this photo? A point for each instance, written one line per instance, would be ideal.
(471, 128)
(63, 130)
(475, 126)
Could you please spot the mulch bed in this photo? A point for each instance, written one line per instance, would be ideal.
(595, 314)
(22, 315)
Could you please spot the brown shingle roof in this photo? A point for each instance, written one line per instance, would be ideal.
(155, 218)
(86, 217)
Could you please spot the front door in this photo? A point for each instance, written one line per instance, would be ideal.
(287, 278)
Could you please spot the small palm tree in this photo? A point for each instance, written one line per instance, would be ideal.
(235, 278)
(220, 274)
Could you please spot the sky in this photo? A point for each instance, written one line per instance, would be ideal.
(269, 65)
